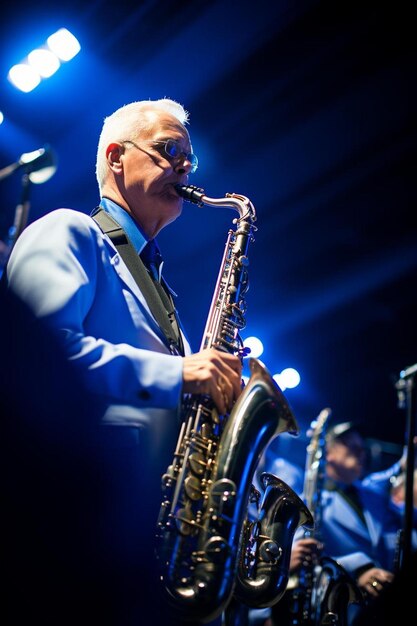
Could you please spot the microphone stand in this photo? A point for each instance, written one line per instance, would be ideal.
(406, 399)
(38, 166)
(21, 213)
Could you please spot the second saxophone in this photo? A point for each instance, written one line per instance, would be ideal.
(323, 592)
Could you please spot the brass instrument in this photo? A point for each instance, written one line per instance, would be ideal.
(263, 570)
(324, 591)
(313, 484)
(334, 590)
(203, 522)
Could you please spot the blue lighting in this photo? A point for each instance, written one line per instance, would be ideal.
(288, 379)
(64, 44)
(255, 345)
(24, 77)
(44, 61)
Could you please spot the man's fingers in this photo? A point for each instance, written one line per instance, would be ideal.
(214, 373)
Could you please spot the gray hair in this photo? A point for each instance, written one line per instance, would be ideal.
(128, 122)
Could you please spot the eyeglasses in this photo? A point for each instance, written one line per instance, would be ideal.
(172, 149)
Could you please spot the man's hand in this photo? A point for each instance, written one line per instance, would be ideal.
(214, 373)
(304, 552)
(374, 580)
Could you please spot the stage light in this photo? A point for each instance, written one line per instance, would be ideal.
(64, 44)
(255, 345)
(287, 379)
(44, 61)
(24, 77)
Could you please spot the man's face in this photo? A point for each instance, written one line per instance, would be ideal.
(148, 174)
(345, 461)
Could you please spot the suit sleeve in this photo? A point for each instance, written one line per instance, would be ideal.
(54, 268)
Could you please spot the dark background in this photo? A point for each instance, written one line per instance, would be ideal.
(307, 108)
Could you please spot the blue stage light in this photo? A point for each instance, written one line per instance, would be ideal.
(64, 44)
(44, 61)
(288, 378)
(24, 77)
(255, 345)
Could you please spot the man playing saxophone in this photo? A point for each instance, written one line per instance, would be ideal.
(96, 281)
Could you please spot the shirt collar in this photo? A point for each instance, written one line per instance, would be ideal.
(132, 230)
(334, 485)
(126, 221)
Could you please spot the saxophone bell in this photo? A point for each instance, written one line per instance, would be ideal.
(263, 572)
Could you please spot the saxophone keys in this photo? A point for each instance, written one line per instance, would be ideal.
(192, 487)
(185, 522)
(197, 463)
(270, 551)
(206, 431)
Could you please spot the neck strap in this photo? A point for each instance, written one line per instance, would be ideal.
(159, 300)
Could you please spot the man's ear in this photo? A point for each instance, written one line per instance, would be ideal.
(114, 152)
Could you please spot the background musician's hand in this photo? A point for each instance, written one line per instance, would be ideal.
(214, 373)
(304, 552)
(374, 580)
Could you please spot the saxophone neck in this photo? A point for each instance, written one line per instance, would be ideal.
(240, 203)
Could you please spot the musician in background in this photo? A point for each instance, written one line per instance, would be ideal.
(356, 526)
(397, 491)
(392, 479)
(383, 611)
(353, 516)
(70, 271)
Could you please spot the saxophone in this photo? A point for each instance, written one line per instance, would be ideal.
(302, 593)
(324, 591)
(203, 524)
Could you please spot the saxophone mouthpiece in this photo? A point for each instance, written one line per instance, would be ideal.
(191, 193)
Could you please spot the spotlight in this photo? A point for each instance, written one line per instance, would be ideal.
(255, 345)
(64, 44)
(44, 61)
(24, 77)
(288, 379)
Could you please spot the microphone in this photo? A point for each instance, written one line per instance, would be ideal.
(38, 165)
(409, 371)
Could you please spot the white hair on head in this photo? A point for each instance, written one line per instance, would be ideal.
(128, 121)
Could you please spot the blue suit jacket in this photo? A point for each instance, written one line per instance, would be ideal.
(71, 275)
(352, 542)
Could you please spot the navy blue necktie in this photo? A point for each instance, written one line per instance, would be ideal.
(152, 259)
(351, 494)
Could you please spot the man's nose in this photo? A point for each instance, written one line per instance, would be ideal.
(183, 165)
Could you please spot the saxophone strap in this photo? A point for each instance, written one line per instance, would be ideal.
(158, 298)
